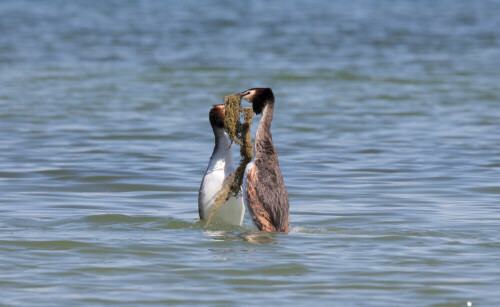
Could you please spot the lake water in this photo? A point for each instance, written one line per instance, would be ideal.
(387, 127)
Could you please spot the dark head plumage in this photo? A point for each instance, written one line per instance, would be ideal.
(258, 97)
(216, 116)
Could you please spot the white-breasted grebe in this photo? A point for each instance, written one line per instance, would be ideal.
(264, 191)
(219, 167)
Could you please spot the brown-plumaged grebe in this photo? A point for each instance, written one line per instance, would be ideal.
(219, 167)
(264, 190)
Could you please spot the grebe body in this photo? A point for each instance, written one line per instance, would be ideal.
(219, 167)
(264, 190)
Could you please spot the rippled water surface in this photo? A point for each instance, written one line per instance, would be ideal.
(387, 126)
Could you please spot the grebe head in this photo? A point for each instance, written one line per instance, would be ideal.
(258, 97)
(216, 116)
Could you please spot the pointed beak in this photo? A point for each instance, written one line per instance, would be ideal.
(243, 94)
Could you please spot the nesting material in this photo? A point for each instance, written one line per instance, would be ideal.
(245, 150)
(232, 121)
(240, 133)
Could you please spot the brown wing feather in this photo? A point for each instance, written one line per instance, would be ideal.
(259, 214)
(271, 192)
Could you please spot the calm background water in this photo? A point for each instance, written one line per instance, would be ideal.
(387, 126)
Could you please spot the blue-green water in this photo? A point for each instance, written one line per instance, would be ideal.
(387, 126)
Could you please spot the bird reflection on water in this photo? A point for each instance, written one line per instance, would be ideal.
(251, 236)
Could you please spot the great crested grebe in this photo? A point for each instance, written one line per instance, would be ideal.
(219, 167)
(264, 190)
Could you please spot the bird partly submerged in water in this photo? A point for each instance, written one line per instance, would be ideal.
(264, 190)
(219, 167)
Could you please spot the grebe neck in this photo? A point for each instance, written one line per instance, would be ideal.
(263, 137)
